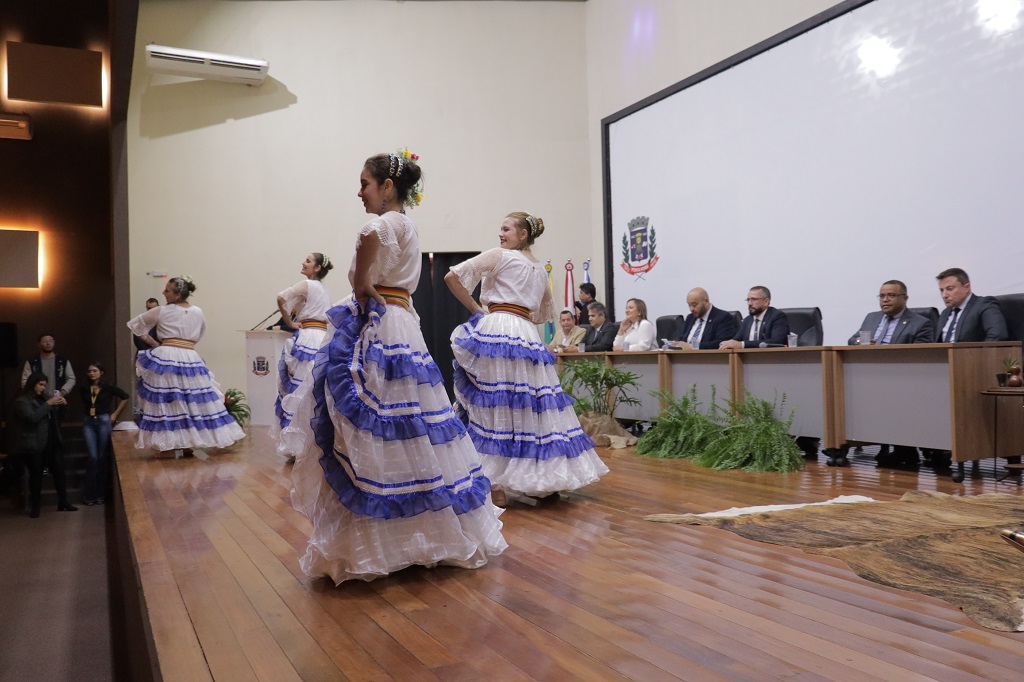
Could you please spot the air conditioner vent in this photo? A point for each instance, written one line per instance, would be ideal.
(178, 61)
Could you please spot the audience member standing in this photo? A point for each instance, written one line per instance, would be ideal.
(39, 444)
(587, 294)
(103, 402)
(141, 344)
(61, 376)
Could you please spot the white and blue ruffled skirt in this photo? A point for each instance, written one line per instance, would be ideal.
(519, 418)
(294, 374)
(181, 404)
(390, 478)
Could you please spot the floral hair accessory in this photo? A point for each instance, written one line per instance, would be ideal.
(533, 224)
(398, 162)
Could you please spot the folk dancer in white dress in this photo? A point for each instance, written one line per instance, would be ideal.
(303, 309)
(391, 478)
(182, 406)
(518, 416)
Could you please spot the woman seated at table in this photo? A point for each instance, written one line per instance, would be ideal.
(636, 332)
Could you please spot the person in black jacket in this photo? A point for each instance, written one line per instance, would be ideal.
(39, 444)
(103, 402)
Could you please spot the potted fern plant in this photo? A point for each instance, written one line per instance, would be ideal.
(598, 390)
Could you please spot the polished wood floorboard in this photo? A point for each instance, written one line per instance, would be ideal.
(587, 589)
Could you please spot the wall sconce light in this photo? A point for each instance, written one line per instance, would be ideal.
(15, 127)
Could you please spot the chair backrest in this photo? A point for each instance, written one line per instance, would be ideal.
(1012, 306)
(932, 314)
(736, 316)
(669, 327)
(806, 324)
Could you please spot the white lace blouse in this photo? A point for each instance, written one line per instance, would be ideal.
(308, 300)
(398, 260)
(171, 322)
(508, 276)
(640, 336)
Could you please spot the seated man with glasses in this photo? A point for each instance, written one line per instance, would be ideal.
(895, 323)
(764, 326)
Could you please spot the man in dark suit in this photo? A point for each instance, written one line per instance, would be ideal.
(706, 327)
(141, 345)
(587, 294)
(601, 334)
(764, 324)
(968, 316)
(895, 323)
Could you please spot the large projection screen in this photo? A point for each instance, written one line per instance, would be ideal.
(881, 140)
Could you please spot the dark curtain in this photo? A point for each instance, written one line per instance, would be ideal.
(439, 311)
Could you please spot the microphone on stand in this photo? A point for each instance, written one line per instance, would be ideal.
(260, 323)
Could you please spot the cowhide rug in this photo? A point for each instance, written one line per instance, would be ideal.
(941, 545)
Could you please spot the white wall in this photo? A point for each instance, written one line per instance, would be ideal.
(503, 101)
(235, 185)
(636, 48)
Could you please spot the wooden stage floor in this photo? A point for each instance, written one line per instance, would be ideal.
(587, 590)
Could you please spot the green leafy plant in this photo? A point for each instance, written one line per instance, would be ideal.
(1009, 363)
(753, 439)
(237, 406)
(683, 429)
(596, 387)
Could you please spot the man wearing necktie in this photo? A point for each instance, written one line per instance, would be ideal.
(706, 327)
(764, 324)
(894, 323)
(967, 317)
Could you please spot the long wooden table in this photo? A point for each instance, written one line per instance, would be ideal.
(922, 395)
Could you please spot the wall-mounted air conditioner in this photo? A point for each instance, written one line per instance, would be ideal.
(178, 61)
(15, 127)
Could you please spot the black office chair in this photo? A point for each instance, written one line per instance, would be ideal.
(932, 314)
(806, 324)
(669, 327)
(736, 316)
(1012, 306)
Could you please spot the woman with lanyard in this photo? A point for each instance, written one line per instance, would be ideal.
(182, 406)
(103, 401)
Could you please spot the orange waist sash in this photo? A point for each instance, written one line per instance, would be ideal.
(178, 343)
(395, 296)
(314, 324)
(510, 308)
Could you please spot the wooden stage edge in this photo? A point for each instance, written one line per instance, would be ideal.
(588, 590)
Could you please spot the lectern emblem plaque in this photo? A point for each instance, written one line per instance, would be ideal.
(261, 366)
